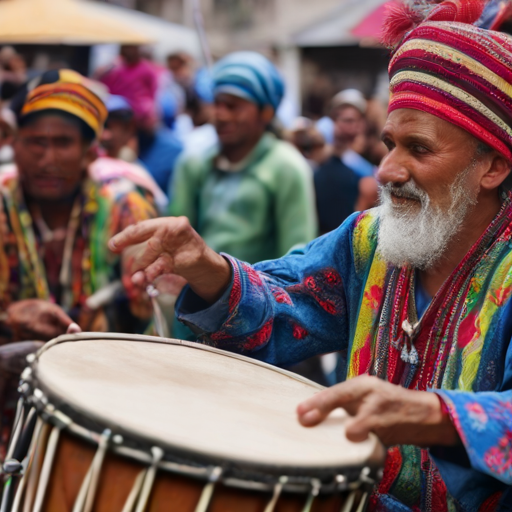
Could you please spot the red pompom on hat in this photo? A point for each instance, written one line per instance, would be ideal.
(402, 18)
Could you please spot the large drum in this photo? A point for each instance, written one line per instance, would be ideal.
(118, 423)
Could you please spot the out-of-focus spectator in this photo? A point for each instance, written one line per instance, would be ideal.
(349, 110)
(337, 192)
(136, 79)
(119, 136)
(252, 197)
(198, 111)
(309, 141)
(159, 149)
(64, 211)
(345, 182)
(182, 67)
(13, 73)
(376, 114)
(374, 150)
(8, 128)
(325, 125)
(120, 160)
(170, 95)
(201, 110)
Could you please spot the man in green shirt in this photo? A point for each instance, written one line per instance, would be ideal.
(252, 196)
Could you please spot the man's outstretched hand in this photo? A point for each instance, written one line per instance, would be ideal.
(172, 246)
(395, 414)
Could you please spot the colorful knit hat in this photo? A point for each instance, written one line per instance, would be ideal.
(63, 90)
(451, 69)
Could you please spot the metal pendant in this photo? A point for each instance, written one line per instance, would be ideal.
(409, 356)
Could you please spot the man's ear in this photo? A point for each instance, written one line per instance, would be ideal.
(267, 114)
(497, 172)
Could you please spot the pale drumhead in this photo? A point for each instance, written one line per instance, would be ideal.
(196, 399)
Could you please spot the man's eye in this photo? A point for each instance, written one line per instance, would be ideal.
(63, 142)
(389, 144)
(420, 150)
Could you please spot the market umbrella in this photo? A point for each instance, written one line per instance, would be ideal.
(370, 27)
(336, 29)
(72, 22)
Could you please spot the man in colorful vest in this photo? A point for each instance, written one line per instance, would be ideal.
(55, 221)
(417, 293)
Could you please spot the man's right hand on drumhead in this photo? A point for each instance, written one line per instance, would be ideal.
(172, 246)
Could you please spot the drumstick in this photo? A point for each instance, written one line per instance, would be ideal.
(104, 295)
(160, 322)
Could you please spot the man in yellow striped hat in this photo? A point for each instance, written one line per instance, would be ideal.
(56, 221)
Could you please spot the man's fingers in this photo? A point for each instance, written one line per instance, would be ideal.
(56, 317)
(311, 418)
(347, 395)
(170, 284)
(139, 279)
(73, 329)
(359, 427)
(162, 265)
(132, 235)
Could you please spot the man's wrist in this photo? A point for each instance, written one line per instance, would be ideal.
(212, 278)
(439, 428)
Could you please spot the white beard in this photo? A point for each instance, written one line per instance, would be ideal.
(420, 238)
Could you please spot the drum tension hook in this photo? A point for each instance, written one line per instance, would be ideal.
(12, 467)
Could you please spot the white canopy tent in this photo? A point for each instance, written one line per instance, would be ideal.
(167, 37)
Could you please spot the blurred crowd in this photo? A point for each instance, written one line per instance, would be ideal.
(83, 158)
(159, 116)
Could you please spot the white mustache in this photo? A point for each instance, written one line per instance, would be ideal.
(408, 190)
(420, 237)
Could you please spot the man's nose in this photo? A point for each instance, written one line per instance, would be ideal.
(221, 113)
(393, 169)
(49, 157)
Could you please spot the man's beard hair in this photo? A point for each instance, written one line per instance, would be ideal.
(420, 238)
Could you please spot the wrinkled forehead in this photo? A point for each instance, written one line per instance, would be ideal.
(409, 121)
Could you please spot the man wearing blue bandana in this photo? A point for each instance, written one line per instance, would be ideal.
(252, 195)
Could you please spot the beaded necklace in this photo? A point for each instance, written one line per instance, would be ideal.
(413, 352)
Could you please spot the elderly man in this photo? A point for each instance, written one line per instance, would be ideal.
(417, 292)
(253, 195)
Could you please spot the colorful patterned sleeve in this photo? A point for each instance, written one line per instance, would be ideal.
(135, 207)
(484, 423)
(130, 208)
(286, 310)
